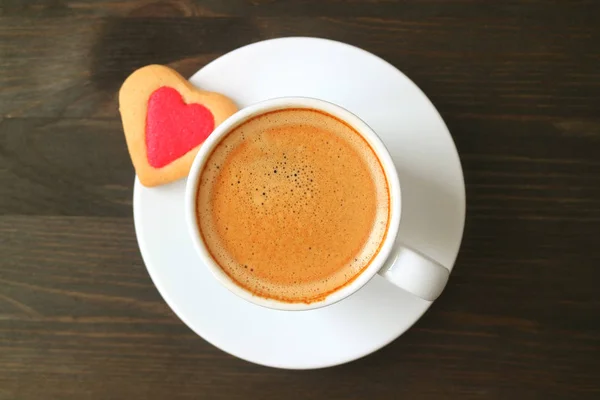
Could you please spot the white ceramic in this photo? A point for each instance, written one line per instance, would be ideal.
(411, 271)
(433, 207)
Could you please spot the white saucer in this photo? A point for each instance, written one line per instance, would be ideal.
(433, 199)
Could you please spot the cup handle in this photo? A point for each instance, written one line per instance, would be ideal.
(415, 272)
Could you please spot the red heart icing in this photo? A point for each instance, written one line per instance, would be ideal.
(173, 127)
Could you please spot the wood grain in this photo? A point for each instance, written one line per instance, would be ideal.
(518, 84)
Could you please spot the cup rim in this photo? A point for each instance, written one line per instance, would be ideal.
(277, 104)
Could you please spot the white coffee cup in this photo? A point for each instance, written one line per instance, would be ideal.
(407, 268)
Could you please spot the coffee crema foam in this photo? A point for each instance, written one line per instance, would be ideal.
(293, 205)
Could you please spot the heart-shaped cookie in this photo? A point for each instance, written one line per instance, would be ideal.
(165, 120)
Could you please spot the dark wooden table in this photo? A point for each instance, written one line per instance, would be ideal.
(518, 85)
